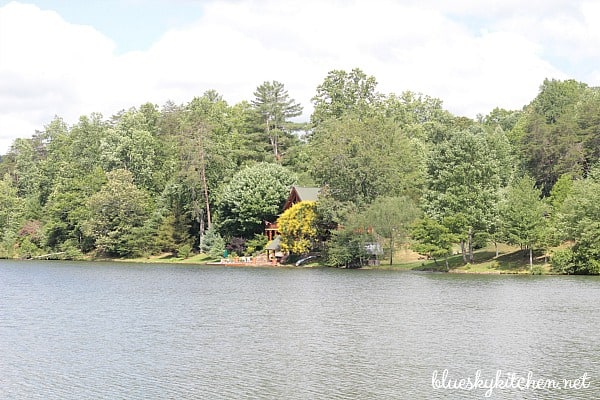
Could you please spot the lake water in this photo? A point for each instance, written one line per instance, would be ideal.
(127, 331)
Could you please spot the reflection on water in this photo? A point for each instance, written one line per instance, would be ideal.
(121, 331)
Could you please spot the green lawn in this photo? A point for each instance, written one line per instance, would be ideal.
(511, 260)
(169, 258)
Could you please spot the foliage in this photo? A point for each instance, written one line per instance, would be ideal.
(524, 215)
(420, 116)
(344, 92)
(213, 244)
(171, 234)
(560, 191)
(464, 177)
(236, 246)
(254, 195)
(360, 160)
(66, 210)
(151, 180)
(11, 208)
(184, 251)
(275, 107)
(579, 222)
(256, 244)
(562, 261)
(433, 239)
(559, 135)
(347, 248)
(297, 226)
(391, 219)
(117, 216)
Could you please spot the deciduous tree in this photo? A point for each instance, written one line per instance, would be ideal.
(344, 92)
(391, 218)
(118, 213)
(524, 215)
(254, 195)
(433, 239)
(463, 182)
(360, 160)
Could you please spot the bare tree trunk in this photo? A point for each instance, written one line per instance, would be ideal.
(531, 258)
(471, 257)
(392, 249)
(463, 251)
(201, 232)
(273, 139)
(205, 187)
(275, 146)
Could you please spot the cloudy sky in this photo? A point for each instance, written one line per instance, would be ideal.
(70, 58)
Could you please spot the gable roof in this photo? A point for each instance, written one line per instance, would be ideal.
(275, 244)
(307, 193)
(300, 193)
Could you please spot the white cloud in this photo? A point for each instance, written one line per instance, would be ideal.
(472, 57)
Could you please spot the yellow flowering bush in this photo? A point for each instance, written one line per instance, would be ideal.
(297, 226)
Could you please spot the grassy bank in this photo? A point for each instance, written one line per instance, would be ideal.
(510, 260)
(168, 258)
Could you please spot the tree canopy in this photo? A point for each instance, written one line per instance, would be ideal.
(206, 175)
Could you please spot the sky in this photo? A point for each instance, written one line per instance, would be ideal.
(70, 58)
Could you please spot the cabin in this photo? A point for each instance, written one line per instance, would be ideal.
(297, 194)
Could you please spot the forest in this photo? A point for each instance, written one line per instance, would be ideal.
(394, 169)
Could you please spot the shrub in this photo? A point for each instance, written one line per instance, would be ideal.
(184, 251)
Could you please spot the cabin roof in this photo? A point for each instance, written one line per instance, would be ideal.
(307, 193)
(301, 193)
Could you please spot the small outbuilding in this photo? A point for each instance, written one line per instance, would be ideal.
(273, 249)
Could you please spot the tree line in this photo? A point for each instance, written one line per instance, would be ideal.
(206, 175)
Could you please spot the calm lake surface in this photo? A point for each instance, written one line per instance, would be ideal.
(127, 331)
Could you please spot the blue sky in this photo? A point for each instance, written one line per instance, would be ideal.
(72, 58)
(131, 24)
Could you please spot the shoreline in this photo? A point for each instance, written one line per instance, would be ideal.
(507, 263)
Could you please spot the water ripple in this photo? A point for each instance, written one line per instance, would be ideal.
(105, 331)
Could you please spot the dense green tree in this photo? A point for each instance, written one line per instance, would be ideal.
(11, 215)
(275, 107)
(463, 183)
(360, 160)
(524, 215)
(347, 247)
(117, 216)
(501, 118)
(254, 195)
(579, 223)
(420, 116)
(560, 191)
(345, 92)
(391, 219)
(132, 143)
(66, 211)
(588, 125)
(74, 152)
(432, 239)
(214, 244)
(27, 172)
(551, 142)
